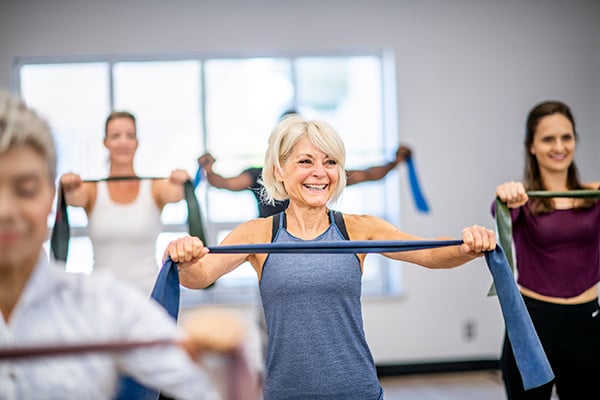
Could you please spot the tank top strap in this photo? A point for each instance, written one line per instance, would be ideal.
(336, 218)
(278, 223)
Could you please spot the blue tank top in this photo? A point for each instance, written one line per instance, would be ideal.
(316, 341)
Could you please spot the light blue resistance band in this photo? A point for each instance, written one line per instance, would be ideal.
(415, 187)
(197, 177)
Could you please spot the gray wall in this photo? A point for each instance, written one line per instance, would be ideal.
(467, 73)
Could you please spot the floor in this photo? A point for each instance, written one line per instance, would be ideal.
(479, 385)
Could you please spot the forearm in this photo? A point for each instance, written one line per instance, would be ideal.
(193, 278)
(449, 257)
(370, 174)
(445, 257)
(216, 180)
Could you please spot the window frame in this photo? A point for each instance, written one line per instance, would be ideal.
(391, 284)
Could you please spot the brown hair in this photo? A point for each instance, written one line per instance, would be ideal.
(118, 114)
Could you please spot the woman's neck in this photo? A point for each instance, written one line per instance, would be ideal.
(555, 181)
(307, 223)
(121, 170)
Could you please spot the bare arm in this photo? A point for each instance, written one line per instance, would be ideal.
(379, 171)
(170, 190)
(198, 268)
(476, 240)
(236, 183)
(78, 193)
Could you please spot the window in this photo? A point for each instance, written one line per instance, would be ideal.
(227, 106)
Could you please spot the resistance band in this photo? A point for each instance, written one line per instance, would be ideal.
(533, 365)
(78, 348)
(166, 292)
(61, 232)
(197, 177)
(347, 246)
(504, 220)
(532, 361)
(418, 197)
(417, 193)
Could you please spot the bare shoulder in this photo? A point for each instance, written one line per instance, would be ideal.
(592, 185)
(159, 185)
(253, 231)
(369, 227)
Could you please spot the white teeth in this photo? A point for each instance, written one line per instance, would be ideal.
(316, 187)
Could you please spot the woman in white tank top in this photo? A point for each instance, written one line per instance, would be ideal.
(124, 215)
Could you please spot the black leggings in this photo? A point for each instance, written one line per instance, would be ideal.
(570, 336)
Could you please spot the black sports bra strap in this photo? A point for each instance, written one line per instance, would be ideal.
(338, 218)
(275, 228)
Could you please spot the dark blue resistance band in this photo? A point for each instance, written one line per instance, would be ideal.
(166, 292)
(530, 357)
(346, 246)
(532, 362)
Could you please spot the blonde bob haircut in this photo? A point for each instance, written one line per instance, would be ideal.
(289, 131)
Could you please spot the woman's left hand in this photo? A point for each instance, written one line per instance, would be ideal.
(477, 239)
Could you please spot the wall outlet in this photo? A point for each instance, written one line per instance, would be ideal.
(469, 330)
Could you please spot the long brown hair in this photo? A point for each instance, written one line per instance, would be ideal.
(532, 176)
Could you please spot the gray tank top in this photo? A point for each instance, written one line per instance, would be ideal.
(316, 342)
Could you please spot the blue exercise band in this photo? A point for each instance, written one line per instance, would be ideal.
(417, 194)
(532, 361)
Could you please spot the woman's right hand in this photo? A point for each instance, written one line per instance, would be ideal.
(512, 193)
(70, 182)
(185, 251)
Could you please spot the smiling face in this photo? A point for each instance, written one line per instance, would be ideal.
(121, 139)
(26, 196)
(554, 143)
(309, 176)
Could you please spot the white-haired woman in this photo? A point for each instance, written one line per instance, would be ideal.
(316, 342)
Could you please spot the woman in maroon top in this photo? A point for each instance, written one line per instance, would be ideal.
(557, 244)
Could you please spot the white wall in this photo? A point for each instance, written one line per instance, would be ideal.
(467, 74)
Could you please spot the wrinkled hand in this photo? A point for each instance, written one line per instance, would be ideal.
(477, 239)
(206, 160)
(213, 329)
(512, 193)
(185, 251)
(179, 176)
(70, 182)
